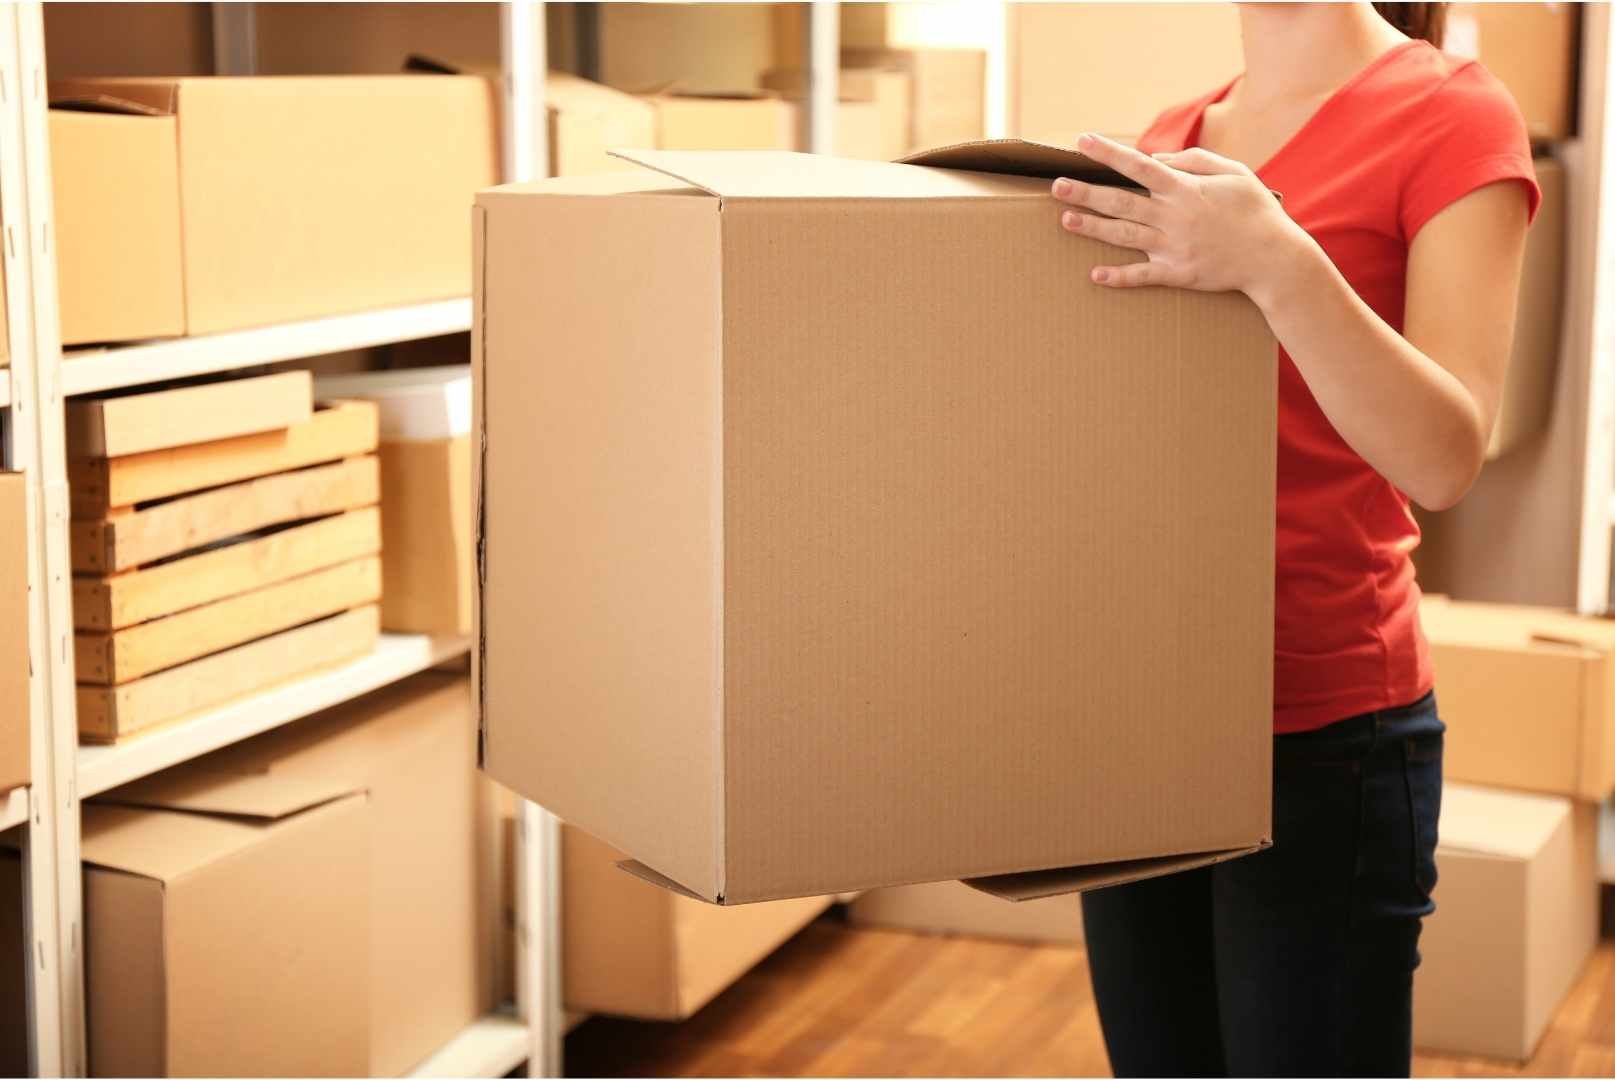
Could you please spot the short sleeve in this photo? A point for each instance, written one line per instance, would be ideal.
(1469, 134)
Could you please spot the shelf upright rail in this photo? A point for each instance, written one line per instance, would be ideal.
(51, 1052)
(824, 74)
(1592, 292)
(538, 854)
(54, 816)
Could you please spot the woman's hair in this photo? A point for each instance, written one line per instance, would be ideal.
(1425, 21)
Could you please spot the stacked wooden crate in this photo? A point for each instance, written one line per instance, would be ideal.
(226, 537)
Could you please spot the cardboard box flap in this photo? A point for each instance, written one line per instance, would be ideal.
(161, 844)
(203, 787)
(128, 97)
(1038, 884)
(645, 873)
(1506, 824)
(1018, 157)
(786, 174)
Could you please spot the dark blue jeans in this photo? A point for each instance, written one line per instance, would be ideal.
(1298, 960)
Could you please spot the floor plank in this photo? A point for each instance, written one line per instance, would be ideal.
(851, 1001)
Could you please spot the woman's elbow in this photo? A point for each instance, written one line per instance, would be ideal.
(1451, 480)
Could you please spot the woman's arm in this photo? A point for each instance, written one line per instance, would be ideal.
(1419, 408)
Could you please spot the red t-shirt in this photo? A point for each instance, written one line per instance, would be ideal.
(1410, 134)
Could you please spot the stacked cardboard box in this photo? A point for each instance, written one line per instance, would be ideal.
(14, 619)
(225, 537)
(952, 907)
(1528, 697)
(193, 205)
(1532, 48)
(747, 120)
(425, 454)
(789, 466)
(883, 92)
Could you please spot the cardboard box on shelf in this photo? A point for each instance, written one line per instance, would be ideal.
(1516, 919)
(952, 907)
(705, 48)
(1526, 694)
(204, 223)
(947, 91)
(15, 709)
(226, 943)
(424, 925)
(1534, 361)
(735, 121)
(887, 88)
(120, 424)
(426, 555)
(781, 609)
(857, 129)
(1532, 49)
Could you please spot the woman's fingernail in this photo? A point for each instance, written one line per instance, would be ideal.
(1062, 188)
(1084, 141)
(1101, 275)
(1071, 220)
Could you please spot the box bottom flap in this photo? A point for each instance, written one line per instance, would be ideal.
(645, 873)
(1037, 884)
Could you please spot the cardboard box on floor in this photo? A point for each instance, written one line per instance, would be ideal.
(894, 551)
(1527, 694)
(424, 921)
(952, 907)
(172, 198)
(1516, 919)
(888, 89)
(1534, 361)
(15, 704)
(1532, 49)
(425, 456)
(229, 943)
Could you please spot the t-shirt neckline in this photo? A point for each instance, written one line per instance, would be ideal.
(1339, 94)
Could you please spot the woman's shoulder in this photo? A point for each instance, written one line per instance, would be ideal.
(1431, 85)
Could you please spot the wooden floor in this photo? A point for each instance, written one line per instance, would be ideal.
(845, 1001)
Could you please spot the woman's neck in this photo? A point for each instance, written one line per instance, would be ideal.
(1303, 51)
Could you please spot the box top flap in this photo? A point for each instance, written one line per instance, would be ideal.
(1037, 884)
(414, 403)
(123, 97)
(786, 174)
(645, 873)
(1018, 157)
(161, 844)
(1488, 821)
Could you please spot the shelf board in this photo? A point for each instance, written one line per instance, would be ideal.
(13, 808)
(396, 656)
(89, 370)
(492, 1046)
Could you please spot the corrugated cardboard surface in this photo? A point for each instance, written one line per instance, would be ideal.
(115, 185)
(1532, 49)
(15, 710)
(1516, 919)
(1113, 68)
(209, 953)
(587, 120)
(1534, 361)
(952, 907)
(632, 949)
(426, 551)
(1528, 696)
(292, 190)
(911, 556)
(430, 942)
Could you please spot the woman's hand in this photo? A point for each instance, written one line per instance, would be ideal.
(1207, 223)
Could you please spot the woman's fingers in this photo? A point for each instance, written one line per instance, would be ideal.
(1111, 201)
(1139, 168)
(1130, 276)
(1200, 162)
(1127, 234)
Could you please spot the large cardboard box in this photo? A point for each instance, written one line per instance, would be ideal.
(1528, 696)
(1113, 68)
(15, 709)
(424, 921)
(1516, 919)
(216, 944)
(887, 88)
(426, 557)
(892, 551)
(1532, 49)
(947, 91)
(263, 199)
(631, 949)
(952, 907)
(1534, 361)
(736, 121)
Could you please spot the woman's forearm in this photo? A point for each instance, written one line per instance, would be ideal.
(1401, 411)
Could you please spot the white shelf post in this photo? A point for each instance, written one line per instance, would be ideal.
(824, 74)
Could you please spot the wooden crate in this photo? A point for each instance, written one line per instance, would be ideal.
(108, 714)
(116, 657)
(116, 601)
(124, 424)
(340, 430)
(135, 537)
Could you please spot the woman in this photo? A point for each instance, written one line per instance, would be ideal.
(1388, 274)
